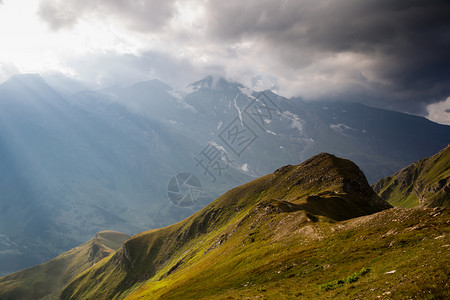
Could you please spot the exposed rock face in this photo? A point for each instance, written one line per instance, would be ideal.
(340, 189)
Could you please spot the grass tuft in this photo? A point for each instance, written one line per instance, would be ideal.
(341, 282)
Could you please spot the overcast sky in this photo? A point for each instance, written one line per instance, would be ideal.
(387, 53)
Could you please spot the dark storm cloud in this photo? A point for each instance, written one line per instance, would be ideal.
(388, 53)
(406, 42)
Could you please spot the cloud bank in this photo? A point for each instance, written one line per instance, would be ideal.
(390, 54)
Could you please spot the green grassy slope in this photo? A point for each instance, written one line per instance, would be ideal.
(46, 281)
(395, 254)
(282, 204)
(423, 183)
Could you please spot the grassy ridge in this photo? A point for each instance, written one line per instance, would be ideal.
(423, 183)
(325, 185)
(47, 280)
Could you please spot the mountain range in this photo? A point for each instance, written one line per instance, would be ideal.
(75, 165)
(313, 230)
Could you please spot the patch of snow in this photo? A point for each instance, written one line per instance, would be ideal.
(341, 128)
(391, 272)
(218, 147)
(296, 122)
(237, 108)
(244, 167)
(281, 147)
(191, 88)
(271, 132)
(219, 125)
(267, 121)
